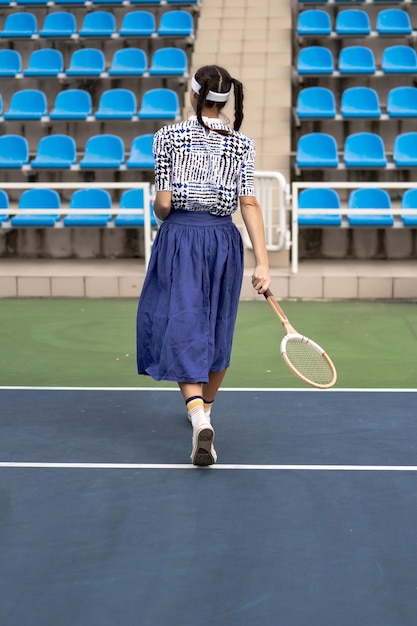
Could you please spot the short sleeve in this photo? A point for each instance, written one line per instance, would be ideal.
(245, 186)
(163, 163)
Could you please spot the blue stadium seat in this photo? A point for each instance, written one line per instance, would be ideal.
(159, 103)
(360, 102)
(405, 150)
(319, 198)
(72, 104)
(402, 102)
(176, 24)
(115, 2)
(103, 151)
(55, 152)
(86, 62)
(14, 152)
(116, 104)
(364, 150)
(76, 2)
(357, 60)
(27, 104)
(312, 1)
(182, 1)
(19, 25)
(315, 60)
(59, 24)
(128, 62)
(317, 150)
(314, 22)
(133, 199)
(399, 60)
(409, 201)
(169, 62)
(45, 62)
(141, 153)
(89, 199)
(10, 63)
(316, 103)
(98, 24)
(367, 198)
(38, 199)
(144, 2)
(393, 22)
(4, 204)
(353, 22)
(138, 24)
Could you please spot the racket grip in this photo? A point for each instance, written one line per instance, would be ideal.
(268, 293)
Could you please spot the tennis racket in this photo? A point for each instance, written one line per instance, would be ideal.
(304, 357)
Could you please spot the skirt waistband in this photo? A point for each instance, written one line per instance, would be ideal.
(198, 218)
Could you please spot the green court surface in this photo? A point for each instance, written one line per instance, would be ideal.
(91, 343)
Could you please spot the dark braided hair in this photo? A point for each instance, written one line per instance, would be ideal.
(215, 78)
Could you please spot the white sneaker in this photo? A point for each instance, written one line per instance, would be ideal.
(203, 452)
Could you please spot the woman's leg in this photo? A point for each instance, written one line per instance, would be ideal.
(202, 452)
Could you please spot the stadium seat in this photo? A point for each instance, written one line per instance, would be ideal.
(393, 22)
(168, 61)
(59, 2)
(19, 25)
(27, 104)
(144, 2)
(4, 204)
(86, 62)
(353, 22)
(360, 102)
(128, 62)
(317, 150)
(45, 62)
(72, 104)
(176, 24)
(356, 60)
(159, 104)
(319, 198)
(138, 24)
(133, 199)
(409, 201)
(116, 2)
(14, 152)
(55, 152)
(98, 24)
(10, 63)
(402, 102)
(315, 60)
(364, 150)
(141, 153)
(38, 199)
(59, 24)
(182, 1)
(405, 150)
(399, 60)
(89, 199)
(367, 198)
(314, 22)
(116, 104)
(103, 151)
(316, 103)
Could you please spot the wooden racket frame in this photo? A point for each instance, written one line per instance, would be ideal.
(291, 333)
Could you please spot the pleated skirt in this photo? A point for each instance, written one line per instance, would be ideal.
(189, 301)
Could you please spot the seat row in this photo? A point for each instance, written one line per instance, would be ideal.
(319, 60)
(14, 3)
(92, 62)
(350, 1)
(45, 203)
(360, 150)
(59, 151)
(372, 199)
(76, 104)
(355, 102)
(62, 24)
(355, 22)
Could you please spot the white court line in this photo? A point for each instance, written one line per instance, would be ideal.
(225, 389)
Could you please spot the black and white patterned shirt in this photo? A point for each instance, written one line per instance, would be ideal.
(205, 171)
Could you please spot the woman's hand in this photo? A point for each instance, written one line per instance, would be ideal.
(261, 279)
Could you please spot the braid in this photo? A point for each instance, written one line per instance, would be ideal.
(238, 89)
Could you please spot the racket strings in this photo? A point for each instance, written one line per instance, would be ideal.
(307, 361)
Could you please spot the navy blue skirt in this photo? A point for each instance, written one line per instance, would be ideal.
(188, 305)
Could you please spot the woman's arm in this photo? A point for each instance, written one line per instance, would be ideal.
(252, 217)
(162, 204)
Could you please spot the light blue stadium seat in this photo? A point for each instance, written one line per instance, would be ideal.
(144, 2)
(160, 103)
(312, 2)
(89, 199)
(55, 152)
(317, 150)
(402, 102)
(399, 60)
(319, 198)
(18, 25)
(138, 24)
(353, 22)
(26, 2)
(393, 22)
(86, 62)
(72, 104)
(115, 2)
(14, 151)
(176, 24)
(4, 204)
(75, 2)
(409, 201)
(58, 24)
(141, 153)
(38, 199)
(360, 102)
(45, 62)
(316, 103)
(103, 151)
(116, 104)
(367, 198)
(405, 150)
(364, 150)
(128, 62)
(356, 60)
(98, 24)
(133, 199)
(315, 60)
(27, 104)
(182, 1)
(10, 63)
(314, 22)
(168, 61)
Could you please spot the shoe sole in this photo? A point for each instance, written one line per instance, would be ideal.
(203, 453)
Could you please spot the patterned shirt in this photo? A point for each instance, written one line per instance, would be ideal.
(205, 171)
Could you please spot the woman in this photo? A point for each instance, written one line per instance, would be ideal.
(188, 306)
